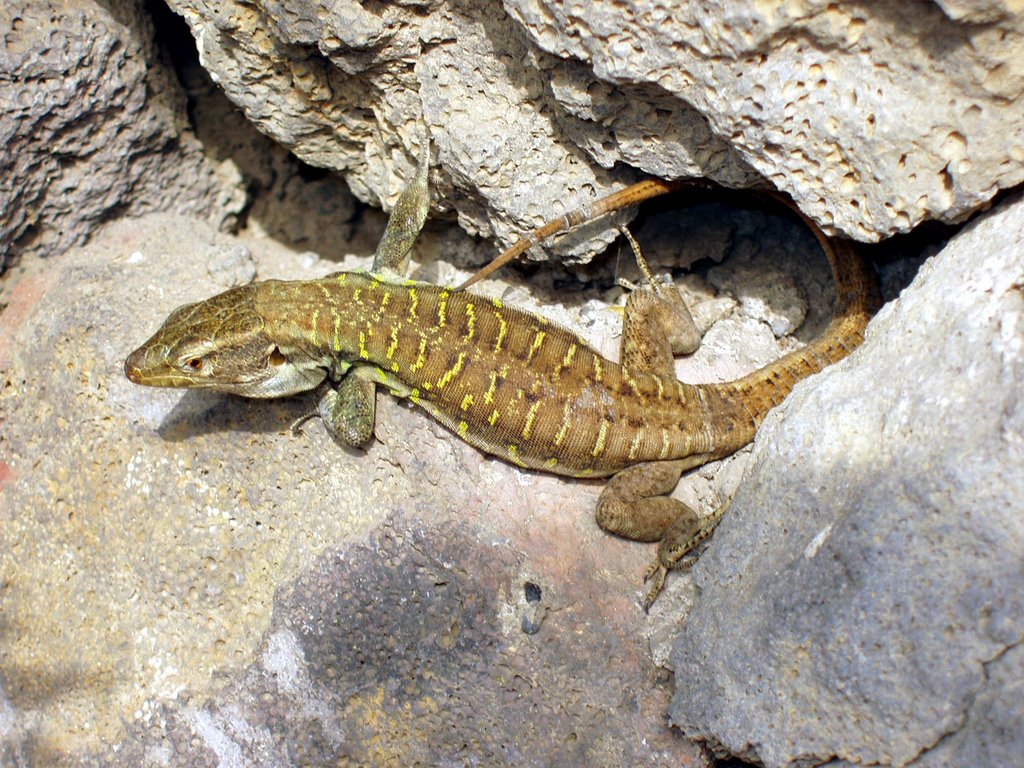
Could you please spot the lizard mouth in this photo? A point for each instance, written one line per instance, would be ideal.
(132, 367)
(140, 369)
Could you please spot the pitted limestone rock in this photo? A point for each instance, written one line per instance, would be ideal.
(874, 117)
(91, 123)
(862, 601)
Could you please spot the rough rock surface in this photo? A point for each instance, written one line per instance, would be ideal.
(874, 116)
(184, 582)
(92, 123)
(182, 579)
(863, 600)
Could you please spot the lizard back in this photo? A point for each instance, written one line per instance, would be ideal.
(527, 390)
(507, 381)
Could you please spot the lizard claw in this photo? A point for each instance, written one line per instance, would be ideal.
(659, 572)
(296, 427)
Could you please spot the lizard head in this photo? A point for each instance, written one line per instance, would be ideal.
(222, 344)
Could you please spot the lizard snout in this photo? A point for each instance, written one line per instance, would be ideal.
(142, 366)
(131, 367)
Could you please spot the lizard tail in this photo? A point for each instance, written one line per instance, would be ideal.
(857, 300)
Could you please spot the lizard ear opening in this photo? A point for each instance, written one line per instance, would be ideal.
(276, 358)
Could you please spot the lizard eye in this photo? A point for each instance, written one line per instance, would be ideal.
(276, 358)
(194, 364)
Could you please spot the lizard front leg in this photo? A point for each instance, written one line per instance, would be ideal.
(350, 410)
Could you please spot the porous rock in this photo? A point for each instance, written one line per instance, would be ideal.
(863, 599)
(183, 581)
(873, 116)
(92, 122)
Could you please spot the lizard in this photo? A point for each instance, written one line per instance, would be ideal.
(508, 382)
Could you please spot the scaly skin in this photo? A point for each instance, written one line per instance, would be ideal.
(504, 380)
(509, 382)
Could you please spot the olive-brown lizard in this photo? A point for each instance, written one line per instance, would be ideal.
(506, 381)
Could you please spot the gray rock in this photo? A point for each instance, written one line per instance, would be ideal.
(863, 599)
(874, 117)
(183, 581)
(93, 122)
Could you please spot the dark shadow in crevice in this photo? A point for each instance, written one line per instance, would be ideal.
(298, 205)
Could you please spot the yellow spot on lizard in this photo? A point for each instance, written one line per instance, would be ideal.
(442, 308)
(502, 331)
(452, 372)
(602, 434)
(312, 328)
(489, 394)
(363, 351)
(563, 430)
(414, 302)
(495, 415)
(531, 415)
(634, 447)
(466, 402)
(470, 321)
(538, 340)
(421, 356)
(393, 346)
(569, 355)
(513, 455)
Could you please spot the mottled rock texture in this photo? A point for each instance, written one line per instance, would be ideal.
(182, 580)
(92, 124)
(182, 577)
(863, 600)
(874, 116)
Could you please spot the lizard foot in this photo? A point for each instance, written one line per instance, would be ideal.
(659, 572)
(296, 427)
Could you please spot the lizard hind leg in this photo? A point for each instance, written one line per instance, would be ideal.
(635, 504)
(406, 221)
(681, 538)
